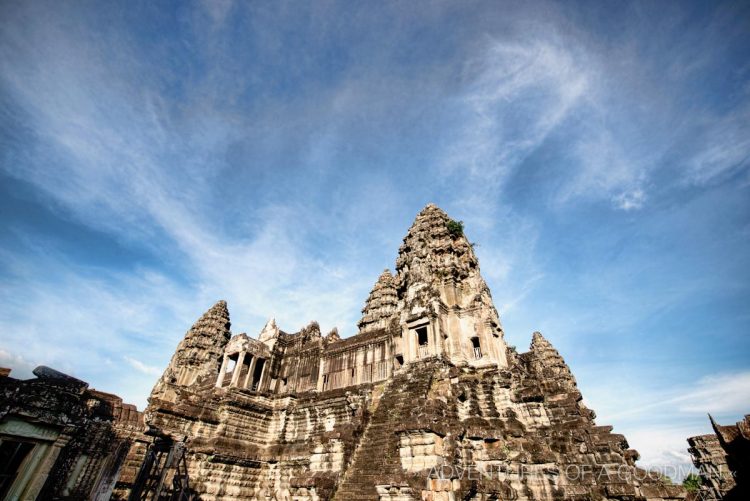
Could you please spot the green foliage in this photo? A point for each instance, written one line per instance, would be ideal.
(692, 482)
(455, 228)
(660, 476)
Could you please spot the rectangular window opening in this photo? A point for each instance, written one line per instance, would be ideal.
(422, 336)
(257, 373)
(477, 347)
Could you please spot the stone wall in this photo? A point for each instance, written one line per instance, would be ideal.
(425, 402)
(76, 439)
(723, 460)
(711, 461)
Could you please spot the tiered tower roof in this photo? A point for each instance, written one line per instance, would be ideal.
(381, 303)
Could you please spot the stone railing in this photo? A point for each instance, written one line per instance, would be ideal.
(376, 371)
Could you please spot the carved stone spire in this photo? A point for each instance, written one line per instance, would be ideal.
(435, 249)
(200, 352)
(437, 278)
(270, 333)
(436, 252)
(380, 304)
(551, 368)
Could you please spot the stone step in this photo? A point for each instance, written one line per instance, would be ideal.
(377, 456)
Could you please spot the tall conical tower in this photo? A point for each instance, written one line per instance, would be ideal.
(199, 354)
(445, 305)
(380, 305)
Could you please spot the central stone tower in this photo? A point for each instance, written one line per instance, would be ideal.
(444, 305)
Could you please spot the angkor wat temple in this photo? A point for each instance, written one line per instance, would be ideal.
(425, 402)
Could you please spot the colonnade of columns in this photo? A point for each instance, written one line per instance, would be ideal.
(248, 381)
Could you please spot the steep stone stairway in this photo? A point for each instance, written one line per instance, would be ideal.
(376, 459)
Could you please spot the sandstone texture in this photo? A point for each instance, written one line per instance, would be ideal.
(62, 440)
(426, 402)
(723, 460)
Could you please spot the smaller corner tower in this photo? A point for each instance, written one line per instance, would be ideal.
(381, 304)
(199, 355)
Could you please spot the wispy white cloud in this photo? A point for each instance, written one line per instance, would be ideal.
(118, 176)
(718, 394)
(141, 367)
(723, 145)
(630, 200)
(621, 125)
(602, 169)
(516, 94)
(21, 368)
(127, 145)
(657, 421)
(78, 319)
(662, 448)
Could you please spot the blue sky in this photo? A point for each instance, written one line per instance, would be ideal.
(155, 158)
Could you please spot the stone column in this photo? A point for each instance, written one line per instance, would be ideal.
(222, 371)
(437, 347)
(388, 359)
(360, 370)
(238, 368)
(414, 342)
(431, 339)
(489, 344)
(248, 377)
(263, 373)
(321, 373)
(250, 373)
(40, 466)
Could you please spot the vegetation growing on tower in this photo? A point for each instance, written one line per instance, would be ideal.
(455, 228)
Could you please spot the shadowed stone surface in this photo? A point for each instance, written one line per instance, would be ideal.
(723, 460)
(70, 442)
(426, 402)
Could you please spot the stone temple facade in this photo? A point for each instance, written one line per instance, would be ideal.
(425, 402)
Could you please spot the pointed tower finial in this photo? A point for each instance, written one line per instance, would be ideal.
(538, 342)
(270, 333)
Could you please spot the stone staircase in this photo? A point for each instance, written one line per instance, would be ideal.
(376, 461)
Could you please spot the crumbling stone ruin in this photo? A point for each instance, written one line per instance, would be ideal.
(425, 402)
(723, 460)
(61, 440)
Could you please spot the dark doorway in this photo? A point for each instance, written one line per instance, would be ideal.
(477, 348)
(255, 385)
(398, 361)
(422, 336)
